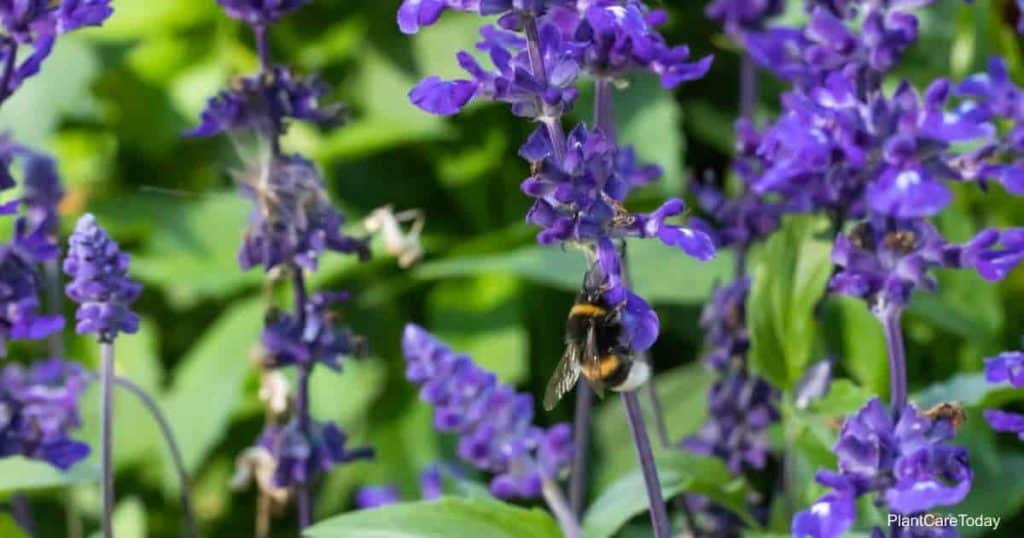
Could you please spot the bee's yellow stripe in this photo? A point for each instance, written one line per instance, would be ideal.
(588, 310)
(604, 369)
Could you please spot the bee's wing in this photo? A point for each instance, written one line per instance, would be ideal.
(591, 360)
(564, 378)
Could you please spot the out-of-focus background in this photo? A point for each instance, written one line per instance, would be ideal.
(112, 104)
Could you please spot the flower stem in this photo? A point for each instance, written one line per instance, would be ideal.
(748, 86)
(897, 361)
(604, 118)
(302, 497)
(179, 463)
(107, 436)
(580, 439)
(550, 118)
(55, 341)
(560, 508)
(21, 513)
(635, 417)
(262, 46)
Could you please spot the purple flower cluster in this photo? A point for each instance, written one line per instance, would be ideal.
(1005, 368)
(907, 463)
(100, 283)
(35, 241)
(494, 423)
(538, 51)
(264, 102)
(293, 221)
(305, 452)
(39, 410)
(314, 337)
(38, 23)
(741, 406)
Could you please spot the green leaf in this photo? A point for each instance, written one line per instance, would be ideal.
(193, 256)
(443, 518)
(209, 382)
(864, 352)
(18, 473)
(789, 279)
(662, 275)
(678, 472)
(9, 528)
(844, 397)
(129, 519)
(683, 395)
(480, 317)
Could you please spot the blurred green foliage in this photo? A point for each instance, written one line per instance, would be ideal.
(112, 104)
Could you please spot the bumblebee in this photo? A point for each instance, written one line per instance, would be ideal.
(593, 348)
(949, 411)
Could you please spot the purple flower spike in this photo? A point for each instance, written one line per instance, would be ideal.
(317, 338)
(292, 220)
(494, 423)
(305, 453)
(263, 103)
(39, 410)
(908, 464)
(1007, 367)
(99, 282)
(20, 286)
(260, 12)
(884, 261)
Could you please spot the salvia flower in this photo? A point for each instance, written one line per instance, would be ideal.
(741, 15)
(38, 23)
(20, 286)
(304, 453)
(908, 464)
(260, 12)
(293, 220)
(1005, 368)
(39, 411)
(316, 337)
(99, 282)
(494, 423)
(265, 102)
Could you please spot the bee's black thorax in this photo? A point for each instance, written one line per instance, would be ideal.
(607, 364)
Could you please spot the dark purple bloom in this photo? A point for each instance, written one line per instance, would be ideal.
(724, 322)
(99, 282)
(264, 103)
(908, 463)
(741, 409)
(304, 453)
(260, 12)
(494, 423)
(39, 410)
(316, 338)
(292, 221)
(376, 496)
(20, 286)
(883, 262)
(38, 23)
